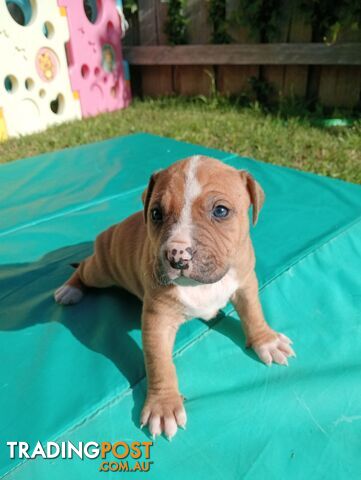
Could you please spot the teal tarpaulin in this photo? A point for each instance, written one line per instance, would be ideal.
(77, 374)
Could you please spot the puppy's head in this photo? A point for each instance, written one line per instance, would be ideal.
(197, 218)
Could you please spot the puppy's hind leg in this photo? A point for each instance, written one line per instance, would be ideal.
(92, 272)
(71, 292)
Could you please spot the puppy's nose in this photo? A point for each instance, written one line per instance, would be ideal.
(179, 256)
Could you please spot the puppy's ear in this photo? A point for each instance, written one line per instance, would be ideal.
(256, 194)
(146, 195)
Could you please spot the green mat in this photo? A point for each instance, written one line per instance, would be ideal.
(77, 374)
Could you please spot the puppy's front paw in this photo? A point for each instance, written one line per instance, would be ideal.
(276, 350)
(163, 414)
(68, 295)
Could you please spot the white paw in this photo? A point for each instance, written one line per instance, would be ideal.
(164, 415)
(277, 350)
(68, 295)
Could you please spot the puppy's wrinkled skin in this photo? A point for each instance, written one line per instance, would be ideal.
(186, 255)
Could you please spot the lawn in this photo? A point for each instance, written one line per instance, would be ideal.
(247, 131)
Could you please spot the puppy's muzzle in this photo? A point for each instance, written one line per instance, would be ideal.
(179, 256)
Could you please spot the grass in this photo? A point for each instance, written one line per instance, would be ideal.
(247, 131)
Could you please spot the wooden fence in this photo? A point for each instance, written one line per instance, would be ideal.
(292, 65)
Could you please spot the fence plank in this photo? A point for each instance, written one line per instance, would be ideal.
(255, 54)
(156, 80)
(132, 34)
(192, 79)
(295, 76)
(275, 74)
(234, 80)
(199, 28)
(161, 18)
(341, 86)
(147, 22)
(239, 33)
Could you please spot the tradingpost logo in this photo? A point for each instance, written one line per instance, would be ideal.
(119, 456)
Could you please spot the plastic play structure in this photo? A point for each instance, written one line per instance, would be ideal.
(60, 60)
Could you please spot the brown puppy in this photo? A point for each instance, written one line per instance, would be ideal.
(186, 255)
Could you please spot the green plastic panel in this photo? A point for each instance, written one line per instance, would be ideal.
(77, 373)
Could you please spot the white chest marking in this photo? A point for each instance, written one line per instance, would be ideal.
(204, 301)
(192, 189)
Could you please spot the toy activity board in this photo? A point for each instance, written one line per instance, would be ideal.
(60, 61)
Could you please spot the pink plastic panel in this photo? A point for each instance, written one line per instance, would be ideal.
(95, 57)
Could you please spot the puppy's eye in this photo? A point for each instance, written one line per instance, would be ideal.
(156, 214)
(220, 211)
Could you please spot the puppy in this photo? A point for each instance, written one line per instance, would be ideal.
(185, 255)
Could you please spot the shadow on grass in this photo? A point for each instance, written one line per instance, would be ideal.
(307, 113)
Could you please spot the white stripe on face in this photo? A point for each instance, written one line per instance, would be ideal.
(182, 230)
